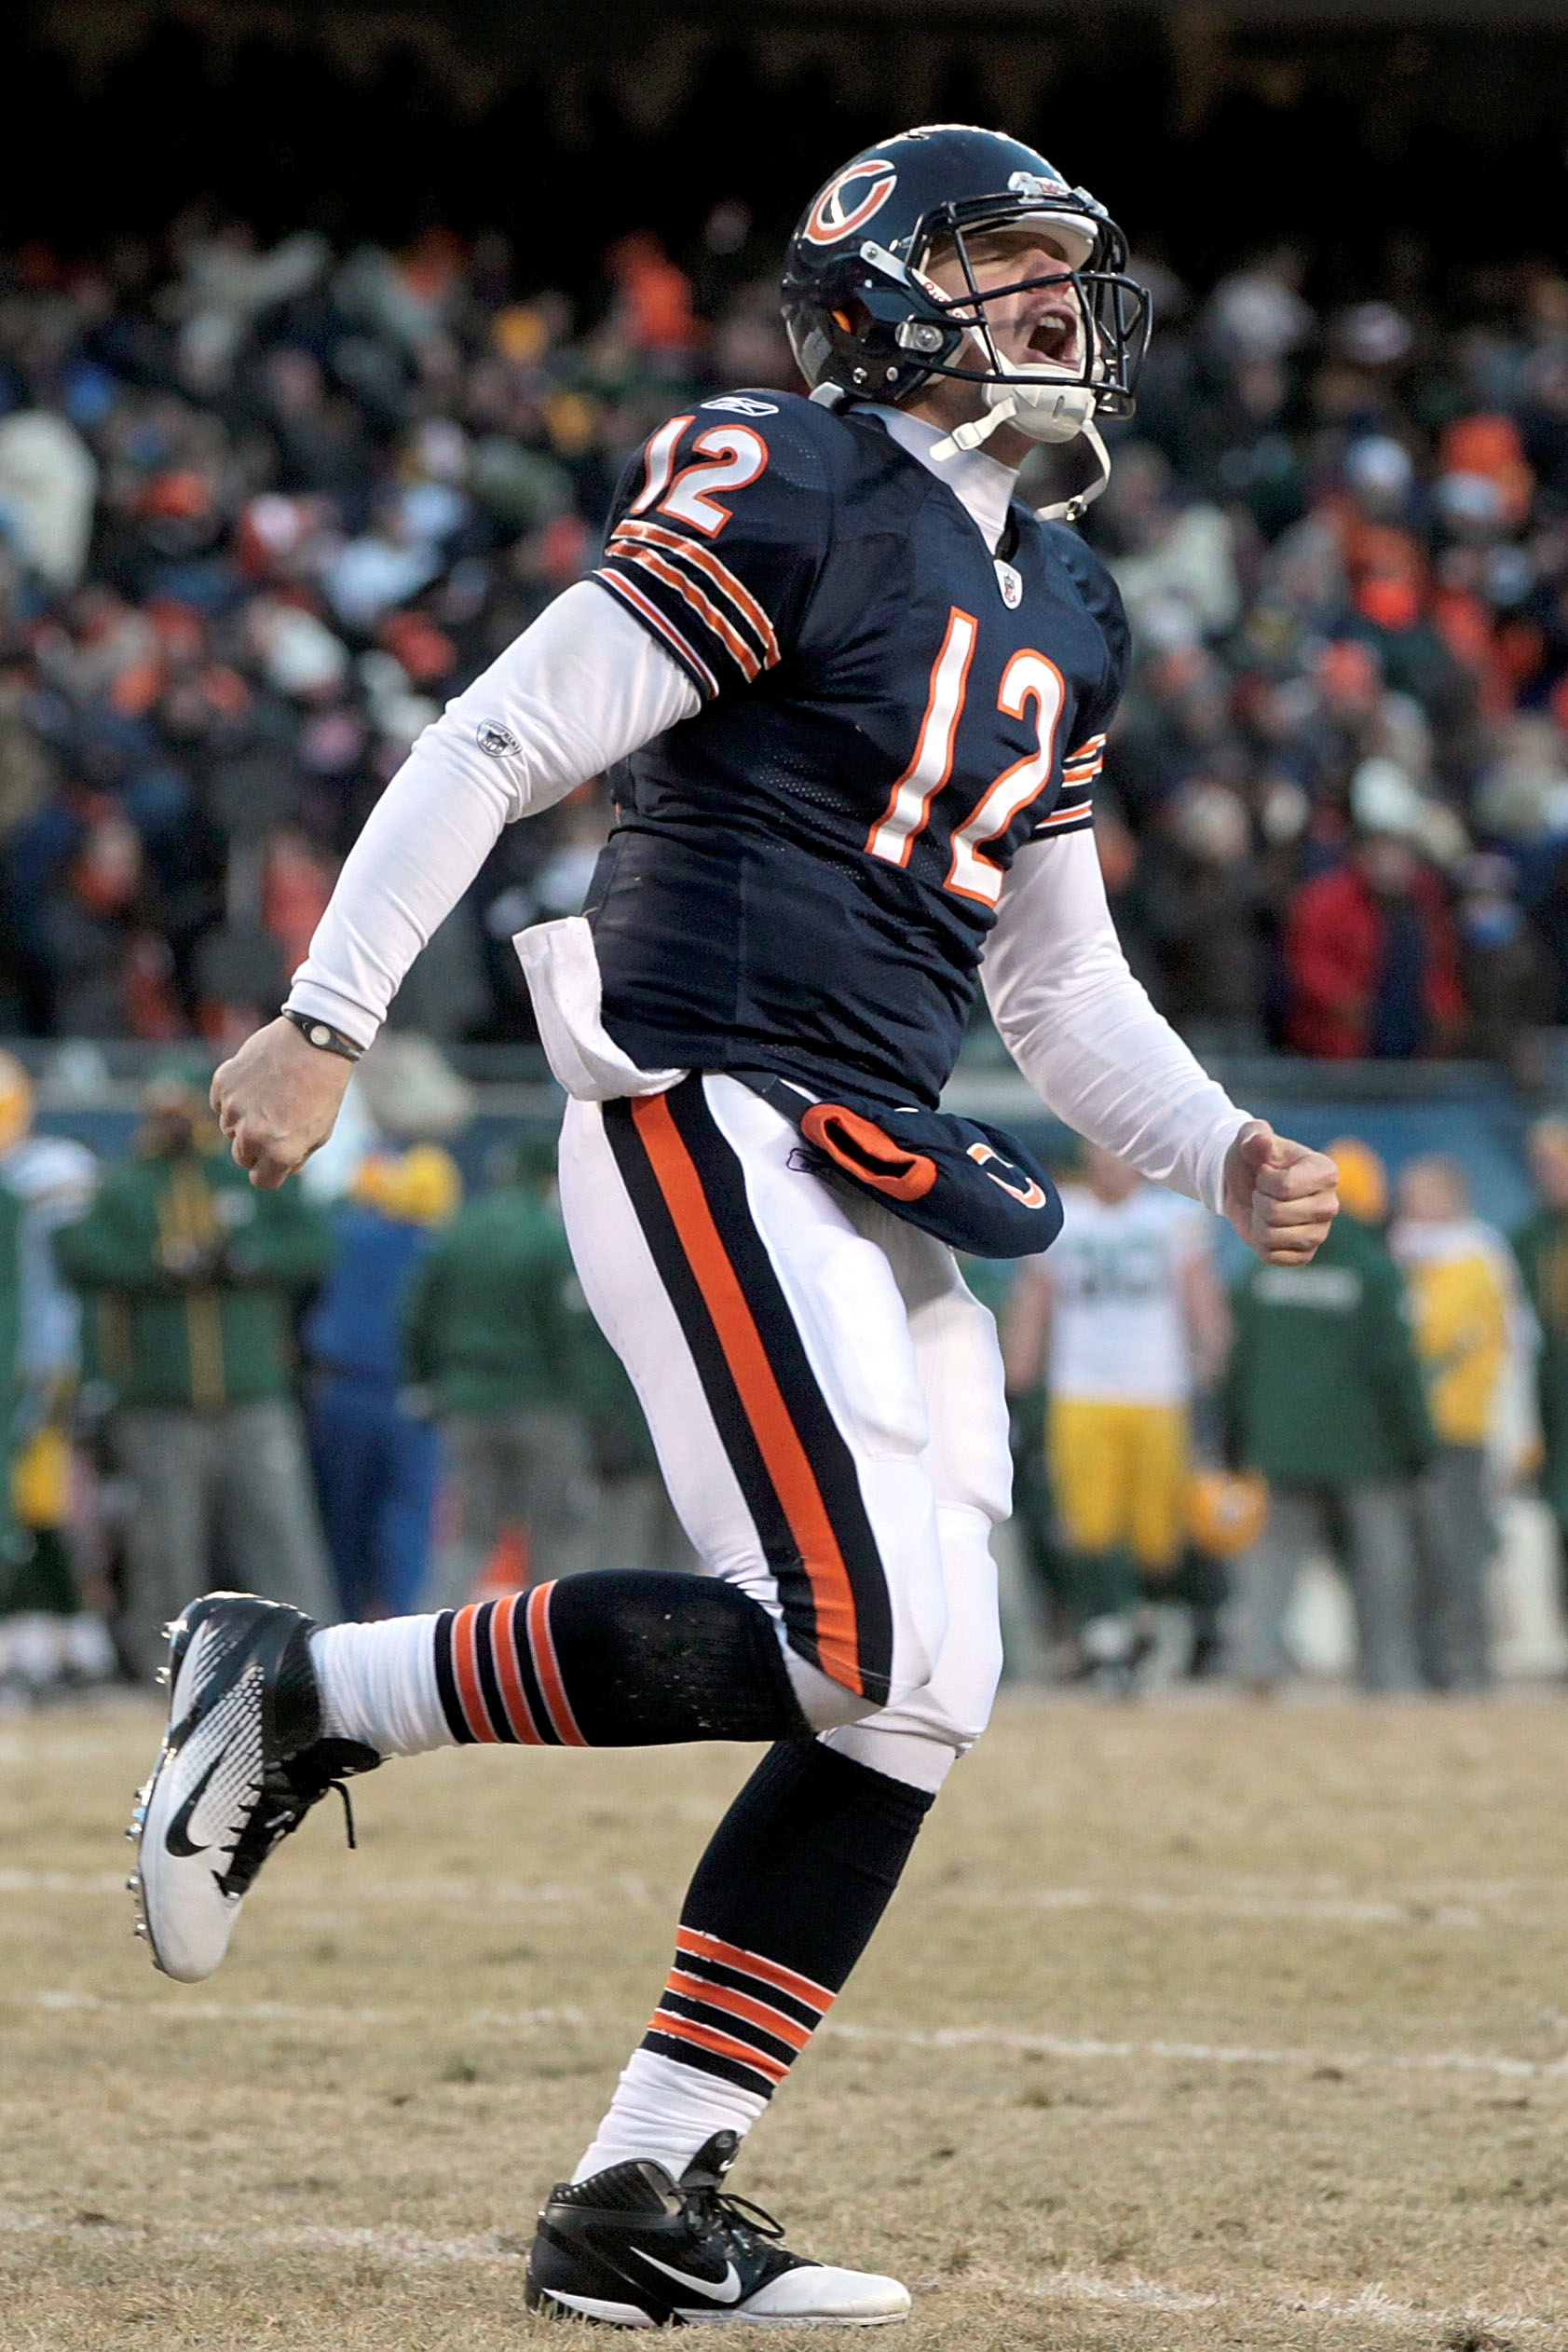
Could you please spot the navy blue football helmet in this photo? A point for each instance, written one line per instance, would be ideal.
(863, 316)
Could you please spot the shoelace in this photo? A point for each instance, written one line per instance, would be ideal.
(719, 2212)
(266, 1829)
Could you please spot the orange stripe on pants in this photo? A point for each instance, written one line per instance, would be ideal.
(785, 1459)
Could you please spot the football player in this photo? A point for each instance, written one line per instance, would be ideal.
(852, 695)
(1126, 1317)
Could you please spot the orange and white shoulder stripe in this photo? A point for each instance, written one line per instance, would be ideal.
(645, 607)
(691, 552)
(723, 605)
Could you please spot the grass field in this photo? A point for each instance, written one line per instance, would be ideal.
(1194, 2024)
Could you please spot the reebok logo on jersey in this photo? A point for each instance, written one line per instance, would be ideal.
(742, 405)
(496, 741)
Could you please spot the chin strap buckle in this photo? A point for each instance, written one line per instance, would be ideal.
(1069, 509)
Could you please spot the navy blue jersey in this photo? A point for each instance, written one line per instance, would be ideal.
(801, 877)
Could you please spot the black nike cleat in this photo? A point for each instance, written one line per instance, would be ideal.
(635, 2248)
(243, 1762)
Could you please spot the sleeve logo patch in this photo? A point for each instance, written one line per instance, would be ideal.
(496, 741)
(742, 405)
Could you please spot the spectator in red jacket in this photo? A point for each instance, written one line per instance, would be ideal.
(1371, 958)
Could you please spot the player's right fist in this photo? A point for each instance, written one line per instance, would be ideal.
(278, 1100)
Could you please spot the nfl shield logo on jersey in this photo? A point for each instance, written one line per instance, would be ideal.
(1011, 585)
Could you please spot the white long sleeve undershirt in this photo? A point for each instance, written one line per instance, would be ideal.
(585, 686)
(1084, 1035)
(576, 692)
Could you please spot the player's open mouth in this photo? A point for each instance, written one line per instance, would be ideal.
(1056, 338)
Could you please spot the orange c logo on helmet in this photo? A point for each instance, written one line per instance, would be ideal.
(850, 199)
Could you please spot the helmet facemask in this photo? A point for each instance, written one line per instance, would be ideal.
(1090, 343)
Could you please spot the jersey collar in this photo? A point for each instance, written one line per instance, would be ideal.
(982, 485)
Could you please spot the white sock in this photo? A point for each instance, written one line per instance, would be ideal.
(379, 1685)
(666, 2110)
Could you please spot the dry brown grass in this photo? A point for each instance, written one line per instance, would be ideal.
(1254, 2029)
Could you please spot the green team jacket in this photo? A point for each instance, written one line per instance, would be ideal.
(1541, 1248)
(494, 1320)
(190, 1277)
(488, 1314)
(1323, 1387)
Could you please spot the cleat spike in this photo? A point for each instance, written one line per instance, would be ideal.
(133, 1884)
(161, 1678)
(140, 1931)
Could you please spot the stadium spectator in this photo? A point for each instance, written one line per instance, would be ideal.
(262, 509)
(1127, 1315)
(1371, 957)
(1462, 1286)
(191, 1279)
(1541, 1247)
(50, 1632)
(491, 1332)
(1324, 1397)
(376, 1464)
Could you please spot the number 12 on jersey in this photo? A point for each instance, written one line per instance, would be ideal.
(1029, 679)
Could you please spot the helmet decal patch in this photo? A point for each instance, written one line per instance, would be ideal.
(851, 198)
(1033, 184)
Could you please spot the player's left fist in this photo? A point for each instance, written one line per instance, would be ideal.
(1280, 1197)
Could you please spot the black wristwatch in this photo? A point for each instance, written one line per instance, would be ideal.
(323, 1035)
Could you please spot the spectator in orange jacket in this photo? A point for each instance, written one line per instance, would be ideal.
(1371, 958)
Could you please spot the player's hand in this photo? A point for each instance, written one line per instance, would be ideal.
(278, 1100)
(1280, 1197)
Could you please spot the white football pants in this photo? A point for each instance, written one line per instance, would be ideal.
(825, 1397)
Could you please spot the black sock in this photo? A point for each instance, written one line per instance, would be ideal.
(623, 1658)
(784, 1901)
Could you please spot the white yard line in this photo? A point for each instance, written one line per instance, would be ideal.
(416, 2250)
(179, 2010)
(1346, 1909)
(961, 2037)
(288, 1889)
(1413, 1910)
(294, 2013)
(1367, 2303)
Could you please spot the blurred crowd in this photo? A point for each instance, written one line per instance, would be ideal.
(261, 512)
(367, 1393)
(1337, 817)
(262, 509)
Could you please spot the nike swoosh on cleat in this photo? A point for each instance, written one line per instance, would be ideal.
(174, 1838)
(725, 2290)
